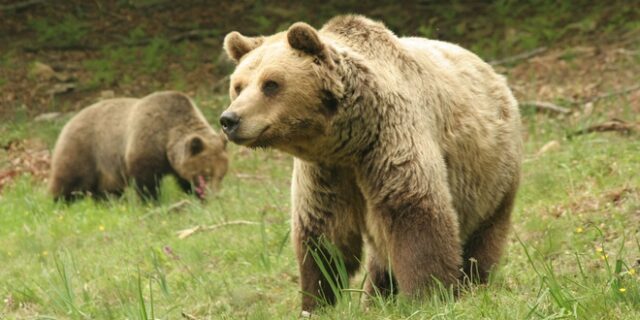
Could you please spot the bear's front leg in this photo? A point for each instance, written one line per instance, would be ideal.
(425, 249)
(327, 211)
(146, 177)
(185, 185)
(381, 281)
(416, 224)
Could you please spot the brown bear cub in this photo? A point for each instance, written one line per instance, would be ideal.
(408, 146)
(117, 141)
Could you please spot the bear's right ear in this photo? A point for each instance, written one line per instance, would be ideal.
(305, 38)
(237, 45)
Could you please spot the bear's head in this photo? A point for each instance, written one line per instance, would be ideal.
(284, 91)
(201, 159)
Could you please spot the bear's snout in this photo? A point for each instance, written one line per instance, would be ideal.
(229, 121)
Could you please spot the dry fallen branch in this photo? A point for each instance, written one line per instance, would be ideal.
(188, 316)
(182, 234)
(547, 106)
(549, 146)
(250, 176)
(518, 57)
(20, 5)
(612, 94)
(612, 125)
(173, 208)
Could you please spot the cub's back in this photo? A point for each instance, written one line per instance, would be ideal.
(96, 132)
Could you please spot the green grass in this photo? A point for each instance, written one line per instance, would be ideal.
(571, 254)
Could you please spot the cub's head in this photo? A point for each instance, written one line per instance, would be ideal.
(201, 159)
(284, 90)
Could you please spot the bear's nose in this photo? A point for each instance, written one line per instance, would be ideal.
(229, 121)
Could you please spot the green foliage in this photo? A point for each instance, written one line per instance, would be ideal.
(67, 32)
(506, 27)
(137, 34)
(153, 55)
(141, 3)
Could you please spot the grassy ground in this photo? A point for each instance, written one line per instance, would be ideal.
(572, 254)
(574, 251)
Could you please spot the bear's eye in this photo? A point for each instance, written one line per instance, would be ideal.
(237, 89)
(270, 87)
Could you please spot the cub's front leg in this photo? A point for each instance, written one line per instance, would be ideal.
(327, 209)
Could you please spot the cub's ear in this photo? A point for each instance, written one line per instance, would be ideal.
(305, 38)
(237, 45)
(196, 145)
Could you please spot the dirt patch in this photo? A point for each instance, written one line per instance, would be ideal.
(583, 78)
(21, 157)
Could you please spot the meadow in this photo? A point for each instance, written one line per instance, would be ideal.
(573, 253)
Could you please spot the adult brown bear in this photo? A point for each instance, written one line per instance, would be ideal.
(114, 141)
(410, 146)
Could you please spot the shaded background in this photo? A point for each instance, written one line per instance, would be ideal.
(63, 55)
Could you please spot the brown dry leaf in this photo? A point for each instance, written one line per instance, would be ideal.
(618, 195)
(25, 157)
(6, 177)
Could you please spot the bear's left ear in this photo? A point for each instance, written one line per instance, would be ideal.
(305, 38)
(237, 45)
(196, 145)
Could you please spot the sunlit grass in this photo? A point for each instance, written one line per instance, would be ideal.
(572, 252)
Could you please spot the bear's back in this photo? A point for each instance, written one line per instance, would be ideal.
(99, 124)
(480, 123)
(166, 110)
(450, 92)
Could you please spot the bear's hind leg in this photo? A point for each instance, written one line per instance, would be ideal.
(68, 189)
(484, 248)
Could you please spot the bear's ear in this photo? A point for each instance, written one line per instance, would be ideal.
(305, 38)
(237, 45)
(196, 145)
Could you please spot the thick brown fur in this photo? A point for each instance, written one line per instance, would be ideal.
(407, 146)
(117, 141)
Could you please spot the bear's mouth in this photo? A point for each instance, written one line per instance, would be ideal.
(200, 187)
(248, 142)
